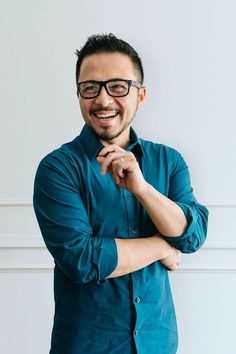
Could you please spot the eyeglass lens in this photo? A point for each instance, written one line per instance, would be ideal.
(115, 88)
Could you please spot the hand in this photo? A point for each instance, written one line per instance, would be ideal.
(172, 261)
(123, 167)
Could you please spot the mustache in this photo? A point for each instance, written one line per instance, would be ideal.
(104, 109)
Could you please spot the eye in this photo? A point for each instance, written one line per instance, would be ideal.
(118, 86)
(89, 87)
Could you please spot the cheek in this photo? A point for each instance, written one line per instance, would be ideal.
(84, 106)
(132, 105)
(129, 105)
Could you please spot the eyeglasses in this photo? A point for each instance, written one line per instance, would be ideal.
(114, 87)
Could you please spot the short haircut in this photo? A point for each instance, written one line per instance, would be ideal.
(108, 43)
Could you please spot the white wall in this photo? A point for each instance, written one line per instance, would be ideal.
(189, 58)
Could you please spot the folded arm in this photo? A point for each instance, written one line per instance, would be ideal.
(179, 218)
(134, 254)
(68, 235)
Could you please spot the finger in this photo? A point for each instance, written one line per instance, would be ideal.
(117, 167)
(122, 165)
(116, 178)
(110, 148)
(100, 159)
(116, 173)
(115, 156)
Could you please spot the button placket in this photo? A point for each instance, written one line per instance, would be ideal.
(131, 217)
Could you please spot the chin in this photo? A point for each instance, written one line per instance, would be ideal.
(107, 137)
(105, 134)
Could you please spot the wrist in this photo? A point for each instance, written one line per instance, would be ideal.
(164, 247)
(143, 189)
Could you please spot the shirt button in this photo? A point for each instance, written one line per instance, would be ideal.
(137, 299)
(136, 332)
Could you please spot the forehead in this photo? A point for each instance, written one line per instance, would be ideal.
(105, 66)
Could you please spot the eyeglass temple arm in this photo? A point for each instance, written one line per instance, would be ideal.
(136, 83)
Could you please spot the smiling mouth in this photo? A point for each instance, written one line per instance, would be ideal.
(105, 116)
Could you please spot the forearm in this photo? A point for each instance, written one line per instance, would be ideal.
(166, 215)
(134, 254)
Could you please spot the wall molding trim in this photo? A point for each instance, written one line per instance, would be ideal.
(26, 202)
(36, 241)
(27, 269)
(21, 241)
(39, 269)
(16, 203)
(205, 270)
(29, 254)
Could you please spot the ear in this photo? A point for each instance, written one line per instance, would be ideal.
(141, 95)
(77, 92)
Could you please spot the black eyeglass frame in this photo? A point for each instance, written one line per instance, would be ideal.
(130, 83)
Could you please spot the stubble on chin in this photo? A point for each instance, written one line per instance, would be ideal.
(106, 136)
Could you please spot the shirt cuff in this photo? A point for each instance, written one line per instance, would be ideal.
(189, 241)
(105, 259)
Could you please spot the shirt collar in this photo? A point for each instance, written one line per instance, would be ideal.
(92, 145)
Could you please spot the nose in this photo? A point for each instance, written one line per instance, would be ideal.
(103, 98)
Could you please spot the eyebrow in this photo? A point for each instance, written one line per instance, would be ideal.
(115, 78)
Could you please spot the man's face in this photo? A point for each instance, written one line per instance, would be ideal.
(110, 117)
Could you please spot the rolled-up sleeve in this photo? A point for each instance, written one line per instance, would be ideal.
(65, 227)
(181, 193)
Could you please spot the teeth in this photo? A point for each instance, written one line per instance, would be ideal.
(106, 116)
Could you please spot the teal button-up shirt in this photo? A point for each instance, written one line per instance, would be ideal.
(80, 212)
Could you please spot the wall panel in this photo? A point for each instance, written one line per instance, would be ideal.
(189, 60)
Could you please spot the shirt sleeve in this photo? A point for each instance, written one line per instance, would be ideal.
(65, 227)
(181, 193)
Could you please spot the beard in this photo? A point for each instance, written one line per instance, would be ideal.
(106, 136)
(109, 136)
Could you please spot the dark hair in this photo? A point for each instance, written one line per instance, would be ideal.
(108, 43)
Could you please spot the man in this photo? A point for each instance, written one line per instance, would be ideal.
(115, 212)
